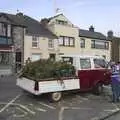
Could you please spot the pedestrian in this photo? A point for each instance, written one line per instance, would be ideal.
(115, 82)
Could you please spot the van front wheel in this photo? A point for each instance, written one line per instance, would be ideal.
(98, 89)
(55, 96)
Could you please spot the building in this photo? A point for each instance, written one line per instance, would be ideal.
(73, 40)
(22, 37)
(115, 47)
(11, 42)
(94, 43)
(67, 33)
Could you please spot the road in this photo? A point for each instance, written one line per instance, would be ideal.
(15, 104)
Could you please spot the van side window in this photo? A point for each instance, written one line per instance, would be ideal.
(85, 63)
(100, 63)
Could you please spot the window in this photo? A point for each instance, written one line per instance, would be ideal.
(85, 63)
(3, 29)
(66, 41)
(35, 56)
(61, 22)
(51, 43)
(68, 60)
(61, 40)
(99, 44)
(100, 63)
(82, 43)
(35, 42)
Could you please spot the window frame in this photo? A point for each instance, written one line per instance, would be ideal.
(51, 43)
(82, 44)
(68, 43)
(105, 44)
(37, 42)
(90, 66)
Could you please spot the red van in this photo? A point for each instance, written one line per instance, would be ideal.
(92, 71)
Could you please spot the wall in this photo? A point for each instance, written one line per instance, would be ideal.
(92, 51)
(43, 49)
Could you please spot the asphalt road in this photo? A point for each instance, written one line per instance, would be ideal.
(15, 104)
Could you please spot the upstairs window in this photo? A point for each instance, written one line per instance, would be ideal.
(61, 22)
(82, 43)
(99, 44)
(51, 43)
(35, 42)
(66, 41)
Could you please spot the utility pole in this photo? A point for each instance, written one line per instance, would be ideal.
(55, 8)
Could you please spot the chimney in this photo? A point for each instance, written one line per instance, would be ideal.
(44, 22)
(110, 33)
(91, 29)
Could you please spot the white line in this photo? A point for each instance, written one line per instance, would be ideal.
(22, 115)
(51, 107)
(22, 106)
(25, 108)
(76, 108)
(61, 113)
(40, 109)
(13, 100)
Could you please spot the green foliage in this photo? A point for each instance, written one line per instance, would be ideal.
(46, 69)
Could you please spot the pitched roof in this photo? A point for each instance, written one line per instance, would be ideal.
(33, 26)
(14, 19)
(89, 34)
(54, 16)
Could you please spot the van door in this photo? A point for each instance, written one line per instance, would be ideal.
(84, 74)
(100, 73)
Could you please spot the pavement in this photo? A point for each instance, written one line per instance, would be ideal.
(16, 104)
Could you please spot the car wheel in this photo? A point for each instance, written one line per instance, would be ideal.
(98, 89)
(55, 97)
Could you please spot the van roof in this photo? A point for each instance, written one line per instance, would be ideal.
(83, 56)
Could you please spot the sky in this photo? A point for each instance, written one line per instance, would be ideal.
(104, 15)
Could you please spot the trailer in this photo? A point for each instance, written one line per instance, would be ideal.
(51, 86)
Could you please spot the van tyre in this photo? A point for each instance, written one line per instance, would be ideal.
(55, 96)
(98, 89)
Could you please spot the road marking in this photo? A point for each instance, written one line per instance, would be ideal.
(76, 108)
(25, 108)
(61, 113)
(21, 106)
(51, 107)
(40, 109)
(22, 115)
(7, 105)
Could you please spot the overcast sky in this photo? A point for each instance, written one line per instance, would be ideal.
(104, 15)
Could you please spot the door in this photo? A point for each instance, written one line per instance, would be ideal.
(85, 73)
(52, 56)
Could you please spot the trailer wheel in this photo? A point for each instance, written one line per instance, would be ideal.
(55, 96)
(98, 89)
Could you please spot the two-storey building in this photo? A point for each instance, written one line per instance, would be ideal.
(94, 43)
(68, 34)
(73, 40)
(11, 42)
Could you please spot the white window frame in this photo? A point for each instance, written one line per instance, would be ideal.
(35, 41)
(50, 43)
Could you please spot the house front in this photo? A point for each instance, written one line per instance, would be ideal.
(68, 34)
(11, 42)
(39, 42)
(94, 43)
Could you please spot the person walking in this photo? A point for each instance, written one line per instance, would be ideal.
(115, 82)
